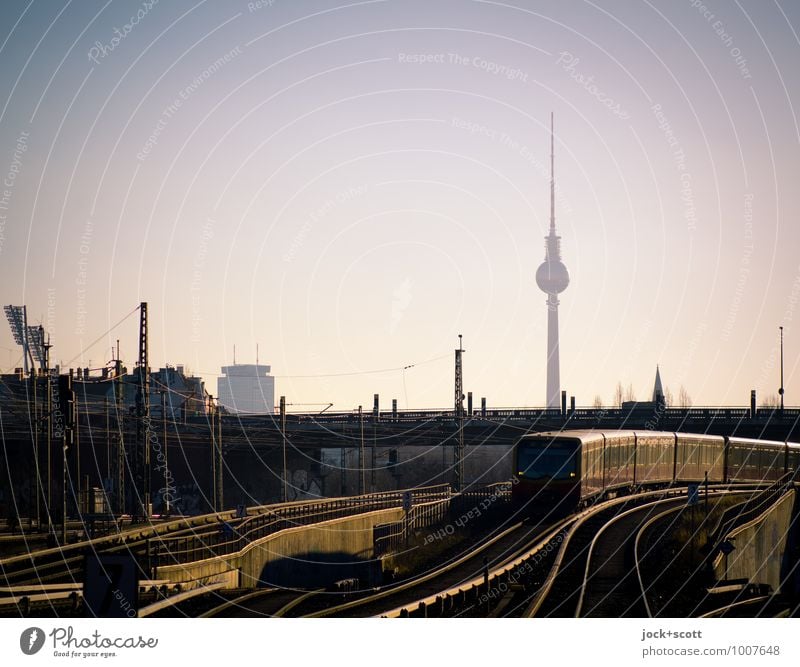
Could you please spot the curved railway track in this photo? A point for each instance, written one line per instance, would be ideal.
(497, 552)
(596, 572)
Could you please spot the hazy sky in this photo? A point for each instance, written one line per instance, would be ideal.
(352, 185)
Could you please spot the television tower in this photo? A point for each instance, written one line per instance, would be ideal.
(552, 278)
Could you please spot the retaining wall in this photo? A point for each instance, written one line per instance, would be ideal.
(764, 548)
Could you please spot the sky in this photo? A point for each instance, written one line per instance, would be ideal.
(348, 186)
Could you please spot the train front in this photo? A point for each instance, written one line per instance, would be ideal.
(547, 475)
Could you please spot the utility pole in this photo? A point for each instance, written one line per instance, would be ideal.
(108, 441)
(459, 413)
(76, 446)
(780, 391)
(66, 401)
(361, 462)
(36, 428)
(49, 441)
(343, 468)
(284, 471)
(375, 419)
(213, 434)
(119, 449)
(142, 447)
(167, 493)
(220, 500)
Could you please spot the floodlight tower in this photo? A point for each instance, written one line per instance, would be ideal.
(18, 321)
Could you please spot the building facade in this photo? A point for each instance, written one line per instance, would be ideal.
(247, 388)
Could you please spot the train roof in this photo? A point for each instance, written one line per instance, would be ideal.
(584, 435)
(757, 441)
(701, 436)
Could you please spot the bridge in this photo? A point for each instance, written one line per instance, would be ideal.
(220, 461)
(285, 559)
(502, 426)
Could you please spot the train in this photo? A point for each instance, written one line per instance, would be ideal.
(564, 471)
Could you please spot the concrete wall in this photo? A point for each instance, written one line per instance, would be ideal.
(764, 548)
(315, 555)
(318, 555)
(315, 473)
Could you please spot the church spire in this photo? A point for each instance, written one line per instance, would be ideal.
(658, 389)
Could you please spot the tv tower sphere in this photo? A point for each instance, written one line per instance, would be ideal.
(552, 276)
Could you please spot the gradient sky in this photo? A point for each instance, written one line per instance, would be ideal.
(352, 185)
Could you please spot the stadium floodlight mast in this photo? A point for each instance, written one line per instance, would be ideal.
(18, 321)
(36, 344)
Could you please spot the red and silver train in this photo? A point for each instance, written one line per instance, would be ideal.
(562, 471)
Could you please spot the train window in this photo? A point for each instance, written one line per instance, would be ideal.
(553, 462)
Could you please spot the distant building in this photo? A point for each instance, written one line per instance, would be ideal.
(658, 389)
(183, 396)
(247, 388)
(658, 402)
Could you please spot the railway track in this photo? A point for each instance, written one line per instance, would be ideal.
(509, 582)
(495, 552)
(596, 571)
(270, 602)
(611, 585)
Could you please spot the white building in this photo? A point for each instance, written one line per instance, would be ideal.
(247, 388)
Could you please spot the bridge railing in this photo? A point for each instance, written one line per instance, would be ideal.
(232, 537)
(465, 506)
(679, 414)
(740, 514)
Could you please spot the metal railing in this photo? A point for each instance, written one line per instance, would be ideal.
(232, 536)
(587, 414)
(740, 514)
(389, 537)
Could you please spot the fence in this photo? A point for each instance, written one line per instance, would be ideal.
(232, 536)
(389, 537)
(742, 513)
